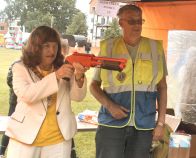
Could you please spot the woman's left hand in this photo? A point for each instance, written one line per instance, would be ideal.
(79, 70)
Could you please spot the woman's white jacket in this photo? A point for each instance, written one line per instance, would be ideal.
(32, 104)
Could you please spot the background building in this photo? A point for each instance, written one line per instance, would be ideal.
(101, 15)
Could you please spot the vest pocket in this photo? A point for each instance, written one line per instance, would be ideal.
(145, 109)
(146, 71)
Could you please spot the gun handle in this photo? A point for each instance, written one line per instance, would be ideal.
(66, 78)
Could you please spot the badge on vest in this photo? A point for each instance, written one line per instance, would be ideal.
(121, 76)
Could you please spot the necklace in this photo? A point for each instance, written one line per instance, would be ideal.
(41, 74)
(45, 72)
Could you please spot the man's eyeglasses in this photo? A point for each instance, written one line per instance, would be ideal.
(134, 22)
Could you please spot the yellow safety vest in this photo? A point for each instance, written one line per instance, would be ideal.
(137, 79)
(147, 70)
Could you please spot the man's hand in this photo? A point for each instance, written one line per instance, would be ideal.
(158, 133)
(117, 111)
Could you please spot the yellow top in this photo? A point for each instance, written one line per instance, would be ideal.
(49, 132)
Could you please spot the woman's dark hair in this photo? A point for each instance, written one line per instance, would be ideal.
(31, 53)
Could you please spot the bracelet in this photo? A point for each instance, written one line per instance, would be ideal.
(80, 79)
(160, 124)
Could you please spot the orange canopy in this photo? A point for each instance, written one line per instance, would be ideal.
(164, 16)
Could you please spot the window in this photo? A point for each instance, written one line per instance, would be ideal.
(92, 20)
(11, 28)
(102, 32)
(102, 20)
(1, 27)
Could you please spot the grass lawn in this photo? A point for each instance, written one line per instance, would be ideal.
(84, 141)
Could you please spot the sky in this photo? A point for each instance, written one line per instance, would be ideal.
(83, 5)
(2, 4)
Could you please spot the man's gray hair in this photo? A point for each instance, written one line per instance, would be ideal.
(131, 7)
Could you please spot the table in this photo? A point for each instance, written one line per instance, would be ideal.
(3, 123)
(82, 126)
(85, 127)
(172, 121)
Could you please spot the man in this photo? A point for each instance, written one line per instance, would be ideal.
(87, 47)
(128, 98)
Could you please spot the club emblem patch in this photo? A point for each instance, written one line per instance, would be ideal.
(121, 76)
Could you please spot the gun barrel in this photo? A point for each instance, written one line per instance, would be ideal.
(111, 65)
(111, 59)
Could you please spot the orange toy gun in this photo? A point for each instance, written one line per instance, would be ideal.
(90, 60)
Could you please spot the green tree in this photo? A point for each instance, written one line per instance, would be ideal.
(113, 30)
(32, 22)
(78, 25)
(32, 13)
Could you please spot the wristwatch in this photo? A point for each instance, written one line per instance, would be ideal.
(80, 79)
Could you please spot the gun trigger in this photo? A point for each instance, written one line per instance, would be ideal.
(66, 62)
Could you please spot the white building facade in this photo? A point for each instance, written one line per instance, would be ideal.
(101, 15)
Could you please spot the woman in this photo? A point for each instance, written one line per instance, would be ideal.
(43, 123)
(65, 52)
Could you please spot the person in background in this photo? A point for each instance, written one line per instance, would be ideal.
(12, 106)
(87, 47)
(64, 47)
(43, 123)
(126, 118)
(65, 52)
(76, 46)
